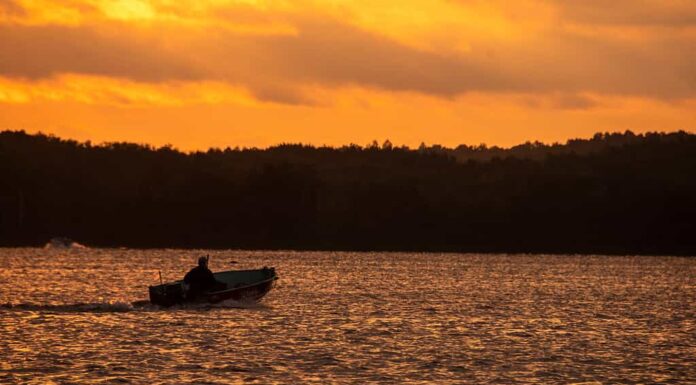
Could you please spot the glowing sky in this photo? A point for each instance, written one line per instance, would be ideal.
(256, 73)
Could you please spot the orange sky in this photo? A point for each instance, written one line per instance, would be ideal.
(222, 73)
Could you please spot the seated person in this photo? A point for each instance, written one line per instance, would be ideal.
(200, 279)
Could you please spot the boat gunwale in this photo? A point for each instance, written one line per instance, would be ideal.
(273, 278)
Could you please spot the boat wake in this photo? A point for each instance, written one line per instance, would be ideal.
(97, 307)
(124, 307)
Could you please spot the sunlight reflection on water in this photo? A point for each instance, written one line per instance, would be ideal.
(69, 316)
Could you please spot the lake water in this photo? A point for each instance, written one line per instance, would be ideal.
(66, 316)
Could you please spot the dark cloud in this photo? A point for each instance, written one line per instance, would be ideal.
(281, 94)
(573, 102)
(564, 62)
(673, 13)
(337, 54)
(43, 51)
(328, 53)
(11, 8)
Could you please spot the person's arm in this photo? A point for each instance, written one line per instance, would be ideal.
(206, 275)
(189, 277)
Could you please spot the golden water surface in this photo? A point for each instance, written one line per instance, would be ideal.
(71, 316)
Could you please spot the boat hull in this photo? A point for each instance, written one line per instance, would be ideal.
(250, 293)
(241, 285)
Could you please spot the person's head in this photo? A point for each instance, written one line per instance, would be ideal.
(203, 262)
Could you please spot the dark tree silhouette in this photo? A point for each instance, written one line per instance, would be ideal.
(614, 193)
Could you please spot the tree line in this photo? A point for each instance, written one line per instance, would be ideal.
(614, 193)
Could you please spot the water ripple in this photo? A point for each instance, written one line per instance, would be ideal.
(350, 318)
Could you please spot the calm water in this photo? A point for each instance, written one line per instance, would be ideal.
(351, 318)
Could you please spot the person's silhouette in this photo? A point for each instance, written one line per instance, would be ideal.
(200, 279)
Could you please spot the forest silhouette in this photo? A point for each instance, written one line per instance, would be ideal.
(611, 194)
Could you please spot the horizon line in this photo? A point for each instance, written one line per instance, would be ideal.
(386, 144)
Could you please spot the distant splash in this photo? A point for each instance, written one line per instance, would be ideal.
(124, 307)
(63, 243)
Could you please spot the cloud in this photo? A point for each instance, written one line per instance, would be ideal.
(666, 13)
(107, 91)
(44, 51)
(283, 94)
(573, 102)
(331, 53)
(321, 51)
(11, 8)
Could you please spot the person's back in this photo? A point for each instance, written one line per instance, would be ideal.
(200, 279)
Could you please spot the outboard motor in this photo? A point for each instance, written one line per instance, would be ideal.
(167, 295)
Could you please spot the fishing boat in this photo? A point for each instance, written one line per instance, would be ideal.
(241, 285)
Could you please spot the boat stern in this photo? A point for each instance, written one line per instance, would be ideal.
(167, 294)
